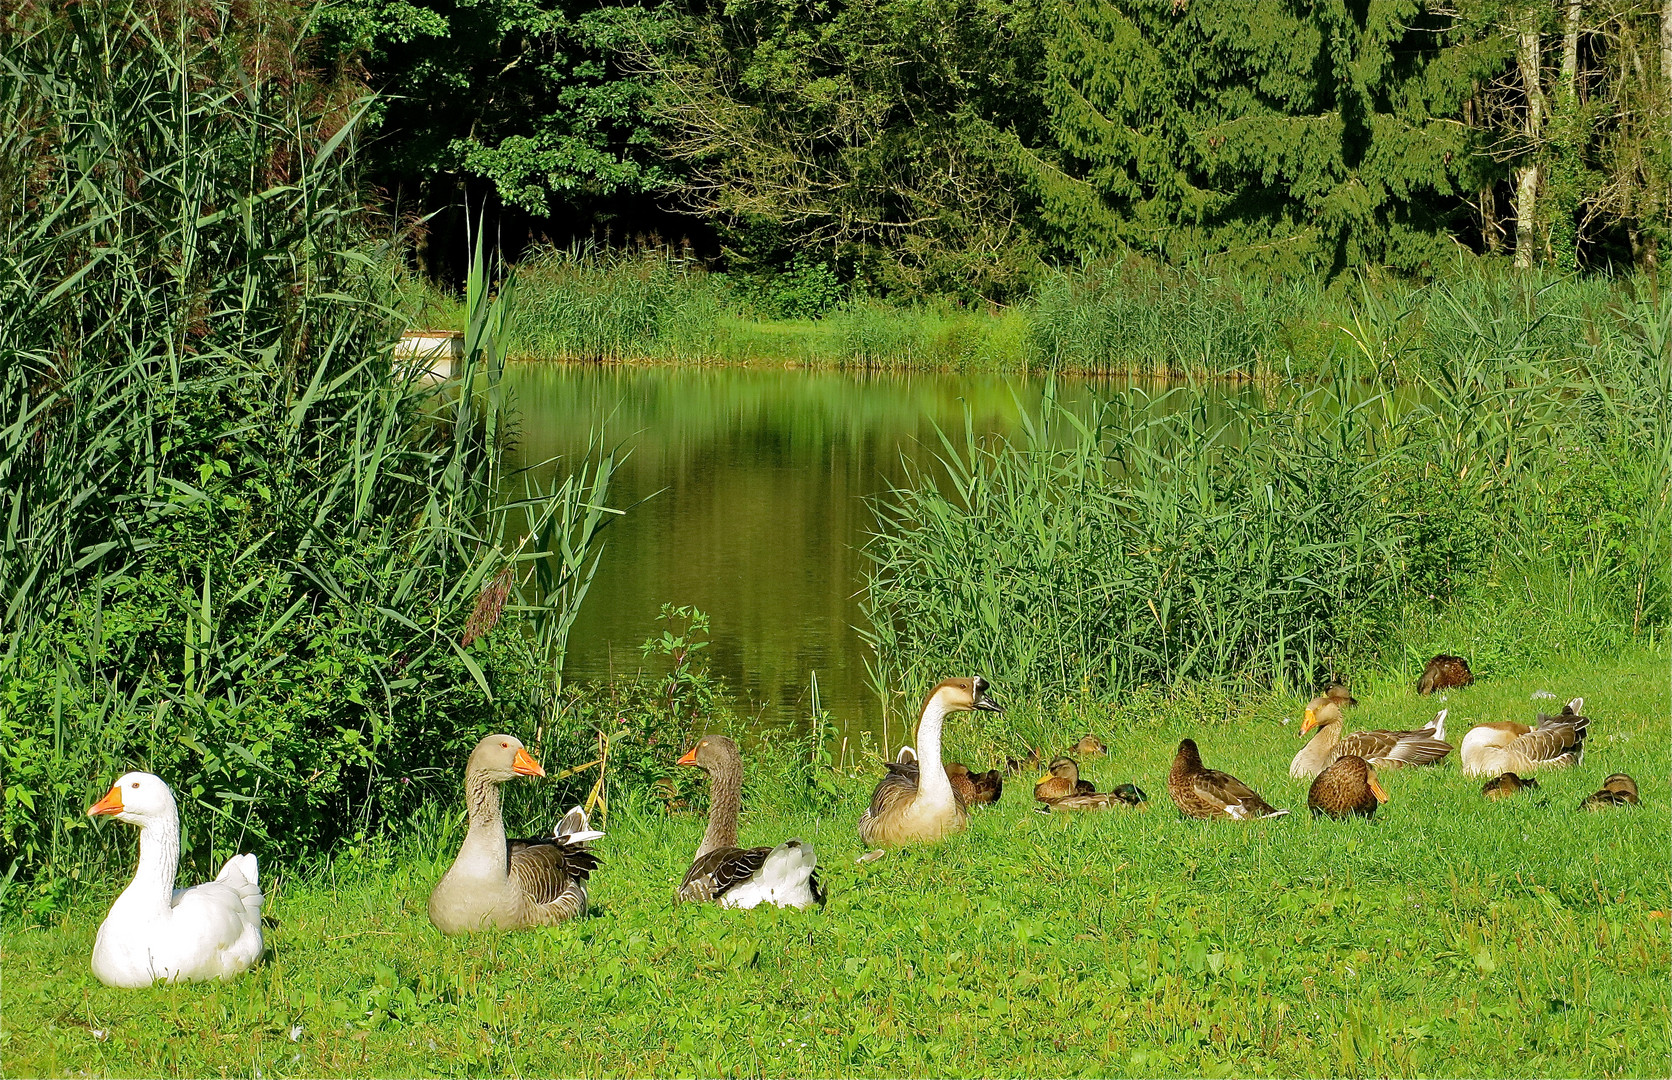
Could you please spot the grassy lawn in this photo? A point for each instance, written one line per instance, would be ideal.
(1448, 936)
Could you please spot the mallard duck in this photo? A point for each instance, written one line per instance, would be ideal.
(1507, 785)
(1617, 790)
(511, 884)
(1209, 793)
(153, 931)
(1127, 795)
(1090, 746)
(1337, 692)
(1347, 788)
(975, 788)
(1384, 749)
(1061, 781)
(915, 802)
(786, 875)
(1444, 672)
(1557, 742)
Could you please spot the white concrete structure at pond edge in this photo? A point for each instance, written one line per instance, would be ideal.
(433, 355)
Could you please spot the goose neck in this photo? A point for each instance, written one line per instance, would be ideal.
(932, 777)
(159, 861)
(485, 836)
(725, 796)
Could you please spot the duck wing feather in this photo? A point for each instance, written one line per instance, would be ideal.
(1229, 796)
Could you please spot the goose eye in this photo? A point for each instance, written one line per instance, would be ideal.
(505, 746)
(135, 784)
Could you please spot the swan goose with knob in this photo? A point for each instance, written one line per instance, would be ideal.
(155, 931)
(915, 802)
(734, 877)
(510, 884)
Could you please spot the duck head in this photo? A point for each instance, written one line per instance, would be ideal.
(136, 798)
(501, 758)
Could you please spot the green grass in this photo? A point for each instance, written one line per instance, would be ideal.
(1448, 936)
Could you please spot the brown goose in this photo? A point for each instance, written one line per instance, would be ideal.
(1347, 788)
(1384, 749)
(918, 805)
(1557, 742)
(1617, 790)
(510, 884)
(1208, 793)
(1507, 786)
(1444, 672)
(786, 875)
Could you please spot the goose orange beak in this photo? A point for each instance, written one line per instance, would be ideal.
(1376, 788)
(1310, 722)
(525, 765)
(690, 757)
(110, 804)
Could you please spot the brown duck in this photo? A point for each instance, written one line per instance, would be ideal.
(1208, 793)
(973, 788)
(1507, 786)
(1061, 781)
(1347, 788)
(1617, 790)
(510, 884)
(1384, 749)
(1443, 673)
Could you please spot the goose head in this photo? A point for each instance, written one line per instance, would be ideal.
(1320, 713)
(138, 798)
(711, 752)
(962, 695)
(502, 757)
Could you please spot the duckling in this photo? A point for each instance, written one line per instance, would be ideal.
(1205, 793)
(1444, 672)
(1347, 788)
(1557, 742)
(915, 803)
(1507, 786)
(1062, 781)
(1090, 746)
(1617, 790)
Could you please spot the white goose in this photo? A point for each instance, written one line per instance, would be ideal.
(155, 931)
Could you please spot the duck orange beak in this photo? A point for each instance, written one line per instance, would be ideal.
(690, 757)
(110, 804)
(525, 765)
(1376, 788)
(1310, 722)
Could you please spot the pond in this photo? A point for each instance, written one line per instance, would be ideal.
(755, 486)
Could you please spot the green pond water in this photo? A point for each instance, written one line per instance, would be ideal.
(756, 487)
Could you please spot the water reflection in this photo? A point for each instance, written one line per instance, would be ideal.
(755, 485)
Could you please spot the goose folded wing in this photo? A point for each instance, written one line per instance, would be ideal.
(545, 869)
(721, 870)
(1546, 743)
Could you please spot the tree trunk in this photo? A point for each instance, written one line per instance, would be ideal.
(1568, 88)
(1528, 56)
(1666, 44)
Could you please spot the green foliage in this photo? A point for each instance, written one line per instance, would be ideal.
(1184, 538)
(1290, 136)
(525, 94)
(241, 542)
